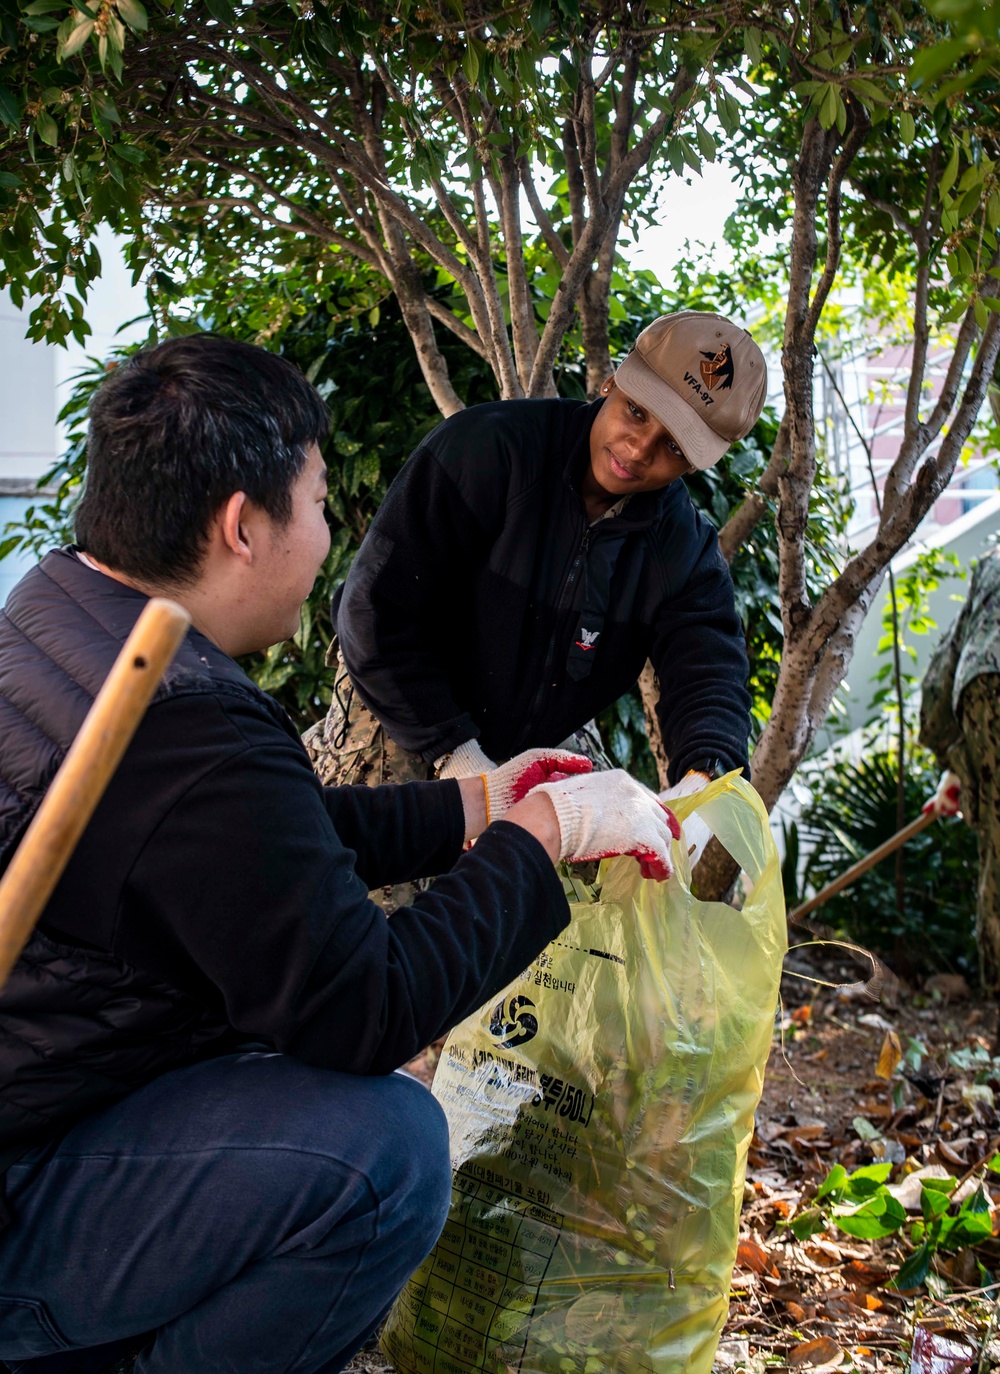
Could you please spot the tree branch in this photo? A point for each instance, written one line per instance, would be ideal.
(461, 330)
(834, 240)
(554, 243)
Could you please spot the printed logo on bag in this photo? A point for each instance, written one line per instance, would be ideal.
(717, 369)
(589, 640)
(512, 1023)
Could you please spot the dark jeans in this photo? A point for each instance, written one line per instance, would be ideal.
(250, 1213)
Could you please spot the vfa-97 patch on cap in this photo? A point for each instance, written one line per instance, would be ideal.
(702, 377)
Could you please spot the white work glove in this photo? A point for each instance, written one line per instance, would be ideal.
(946, 801)
(696, 832)
(609, 813)
(464, 762)
(507, 783)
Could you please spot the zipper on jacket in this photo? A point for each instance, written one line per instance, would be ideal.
(565, 596)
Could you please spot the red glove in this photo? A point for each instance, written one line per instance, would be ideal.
(609, 813)
(512, 781)
(946, 800)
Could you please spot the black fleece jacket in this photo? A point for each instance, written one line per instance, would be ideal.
(220, 893)
(465, 612)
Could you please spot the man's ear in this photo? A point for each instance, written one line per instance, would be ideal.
(233, 527)
(608, 386)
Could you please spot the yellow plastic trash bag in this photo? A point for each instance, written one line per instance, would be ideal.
(600, 1112)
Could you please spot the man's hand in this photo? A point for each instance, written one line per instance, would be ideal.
(465, 761)
(511, 782)
(607, 814)
(946, 801)
(696, 832)
(489, 796)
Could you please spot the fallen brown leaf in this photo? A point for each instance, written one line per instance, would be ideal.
(862, 1275)
(950, 1155)
(889, 1056)
(750, 1255)
(822, 1351)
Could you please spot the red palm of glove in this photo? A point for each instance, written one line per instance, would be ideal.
(650, 863)
(511, 782)
(548, 768)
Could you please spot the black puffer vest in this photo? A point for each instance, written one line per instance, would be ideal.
(80, 1028)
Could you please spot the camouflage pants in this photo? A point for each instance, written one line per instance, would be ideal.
(979, 716)
(351, 747)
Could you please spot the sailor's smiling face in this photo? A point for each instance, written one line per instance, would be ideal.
(630, 450)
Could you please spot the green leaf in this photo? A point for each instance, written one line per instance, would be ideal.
(134, 14)
(470, 63)
(913, 1273)
(10, 110)
(880, 1216)
(105, 112)
(907, 127)
(833, 1183)
(541, 13)
(76, 39)
(220, 10)
(751, 45)
(706, 143)
(864, 1181)
(869, 90)
(806, 1223)
(829, 106)
(128, 152)
(949, 174)
(981, 313)
(46, 128)
(934, 62)
(933, 1204)
(939, 1185)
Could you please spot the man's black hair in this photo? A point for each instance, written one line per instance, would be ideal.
(174, 432)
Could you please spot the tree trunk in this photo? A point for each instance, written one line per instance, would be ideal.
(649, 690)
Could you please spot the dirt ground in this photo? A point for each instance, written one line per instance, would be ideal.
(824, 1302)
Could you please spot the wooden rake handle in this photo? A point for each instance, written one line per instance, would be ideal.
(863, 865)
(87, 769)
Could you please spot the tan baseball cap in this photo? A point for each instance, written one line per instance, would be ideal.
(702, 376)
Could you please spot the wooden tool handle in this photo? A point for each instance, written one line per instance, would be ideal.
(863, 865)
(87, 769)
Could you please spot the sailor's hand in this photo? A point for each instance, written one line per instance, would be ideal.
(606, 814)
(946, 801)
(465, 761)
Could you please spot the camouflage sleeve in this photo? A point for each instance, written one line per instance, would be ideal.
(939, 729)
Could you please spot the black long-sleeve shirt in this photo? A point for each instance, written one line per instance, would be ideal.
(464, 613)
(219, 895)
